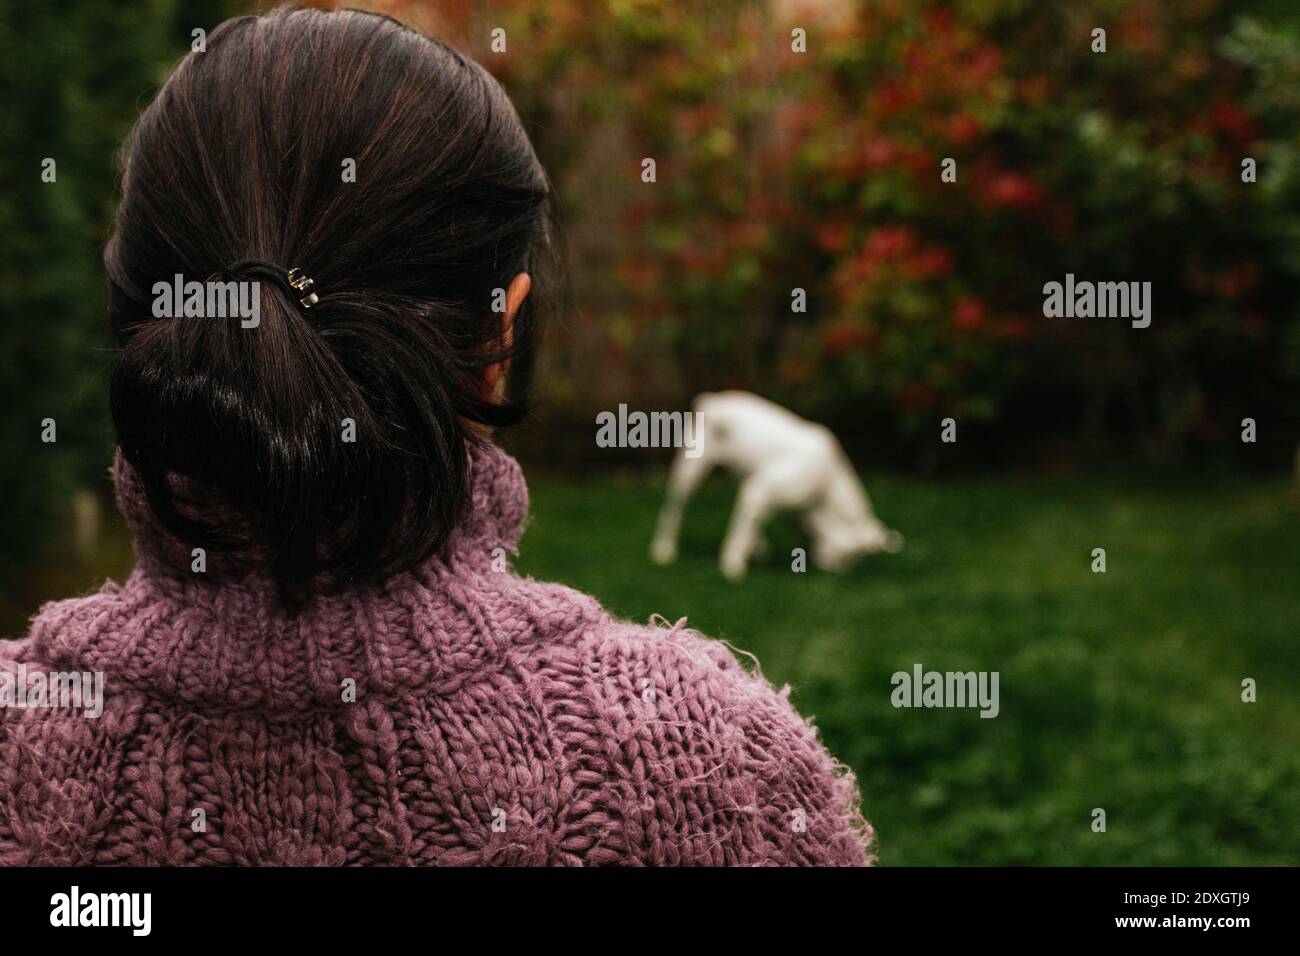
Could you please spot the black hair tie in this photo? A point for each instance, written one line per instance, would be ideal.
(293, 283)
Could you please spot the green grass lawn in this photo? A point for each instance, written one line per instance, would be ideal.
(1119, 690)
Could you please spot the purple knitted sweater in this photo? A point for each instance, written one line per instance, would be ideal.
(495, 720)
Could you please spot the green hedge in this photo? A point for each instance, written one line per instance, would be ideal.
(74, 76)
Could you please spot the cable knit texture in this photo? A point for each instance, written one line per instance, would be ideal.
(496, 720)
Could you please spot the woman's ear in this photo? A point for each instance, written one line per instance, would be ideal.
(515, 295)
(494, 375)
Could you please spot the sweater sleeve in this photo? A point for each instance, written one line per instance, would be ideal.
(706, 763)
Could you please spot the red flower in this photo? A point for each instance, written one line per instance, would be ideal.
(986, 63)
(1138, 33)
(892, 98)
(833, 236)
(1014, 189)
(1231, 121)
(844, 337)
(969, 314)
(879, 152)
(889, 242)
(930, 263)
(963, 128)
(921, 165)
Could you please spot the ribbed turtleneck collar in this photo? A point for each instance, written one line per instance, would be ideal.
(499, 506)
(226, 641)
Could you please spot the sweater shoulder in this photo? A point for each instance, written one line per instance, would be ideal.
(690, 756)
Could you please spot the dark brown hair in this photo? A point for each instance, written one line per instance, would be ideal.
(241, 156)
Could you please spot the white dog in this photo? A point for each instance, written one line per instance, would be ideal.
(784, 462)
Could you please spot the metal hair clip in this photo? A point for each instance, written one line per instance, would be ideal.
(304, 286)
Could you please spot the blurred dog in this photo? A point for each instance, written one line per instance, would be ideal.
(785, 463)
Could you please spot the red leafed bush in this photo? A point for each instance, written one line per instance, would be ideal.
(816, 177)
